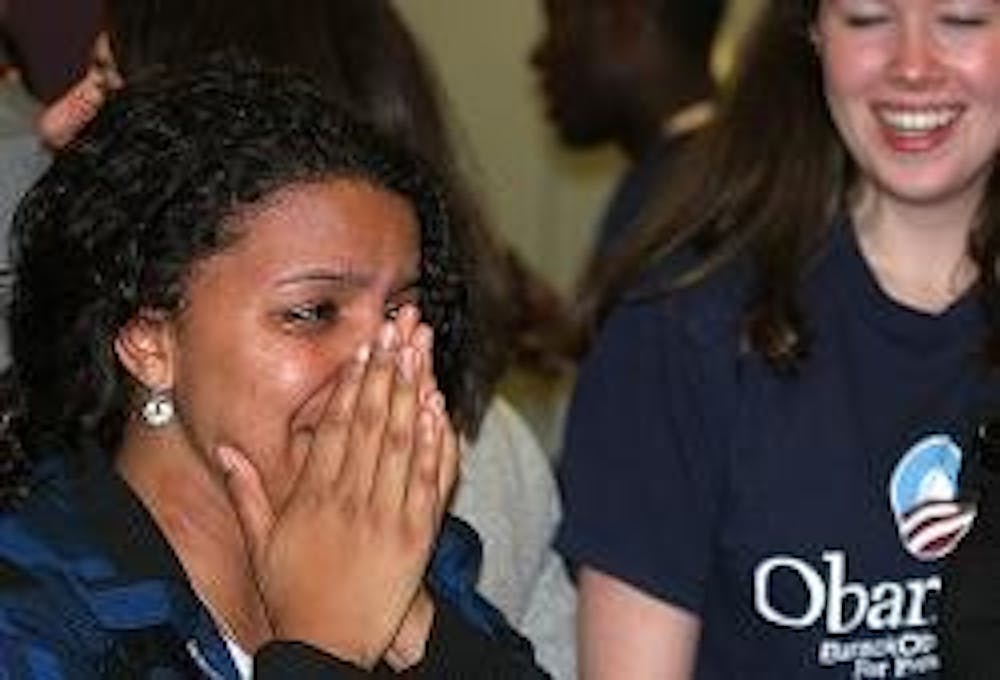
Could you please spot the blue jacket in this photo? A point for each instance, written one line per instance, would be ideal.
(89, 588)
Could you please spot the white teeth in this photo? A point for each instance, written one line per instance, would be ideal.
(918, 121)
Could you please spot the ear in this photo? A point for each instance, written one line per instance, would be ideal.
(145, 347)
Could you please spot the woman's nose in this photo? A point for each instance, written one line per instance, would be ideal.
(368, 327)
(916, 58)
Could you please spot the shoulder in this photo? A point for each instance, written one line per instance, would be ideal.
(663, 375)
(505, 465)
(703, 303)
(674, 322)
(45, 621)
(45, 544)
(45, 530)
(18, 109)
(508, 494)
(22, 160)
(22, 163)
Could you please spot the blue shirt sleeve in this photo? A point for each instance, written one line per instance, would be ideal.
(641, 471)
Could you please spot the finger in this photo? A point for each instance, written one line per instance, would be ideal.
(423, 341)
(301, 446)
(246, 492)
(407, 321)
(451, 454)
(328, 446)
(370, 415)
(432, 399)
(409, 645)
(422, 490)
(396, 455)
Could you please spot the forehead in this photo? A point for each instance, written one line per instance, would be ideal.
(337, 209)
(346, 223)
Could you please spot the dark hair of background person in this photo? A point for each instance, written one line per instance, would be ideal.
(5, 47)
(767, 179)
(692, 24)
(49, 41)
(152, 186)
(358, 52)
(362, 56)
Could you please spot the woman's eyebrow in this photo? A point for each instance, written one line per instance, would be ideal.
(347, 278)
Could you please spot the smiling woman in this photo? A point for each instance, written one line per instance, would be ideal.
(772, 465)
(914, 94)
(227, 423)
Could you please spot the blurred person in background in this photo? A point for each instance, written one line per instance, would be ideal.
(44, 48)
(22, 157)
(52, 40)
(636, 74)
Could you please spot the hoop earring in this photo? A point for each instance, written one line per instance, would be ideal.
(158, 410)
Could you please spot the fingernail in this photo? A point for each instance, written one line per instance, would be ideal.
(228, 458)
(363, 354)
(387, 336)
(424, 337)
(436, 403)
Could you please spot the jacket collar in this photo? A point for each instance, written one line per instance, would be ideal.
(146, 588)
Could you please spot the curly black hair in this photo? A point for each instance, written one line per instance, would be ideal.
(117, 223)
(364, 58)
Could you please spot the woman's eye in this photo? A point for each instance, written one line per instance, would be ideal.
(965, 20)
(310, 314)
(866, 20)
(400, 299)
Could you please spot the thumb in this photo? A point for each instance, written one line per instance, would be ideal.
(246, 491)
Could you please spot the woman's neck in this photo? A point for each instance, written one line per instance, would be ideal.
(190, 505)
(919, 254)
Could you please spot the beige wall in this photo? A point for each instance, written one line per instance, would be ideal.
(545, 200)
(740, 19)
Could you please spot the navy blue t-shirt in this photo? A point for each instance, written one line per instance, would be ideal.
(802, 518)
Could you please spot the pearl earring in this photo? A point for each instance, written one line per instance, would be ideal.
(158, 409)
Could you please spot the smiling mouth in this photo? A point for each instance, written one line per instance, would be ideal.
(917, 122)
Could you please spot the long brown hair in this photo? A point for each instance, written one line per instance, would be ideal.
(766, 180)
